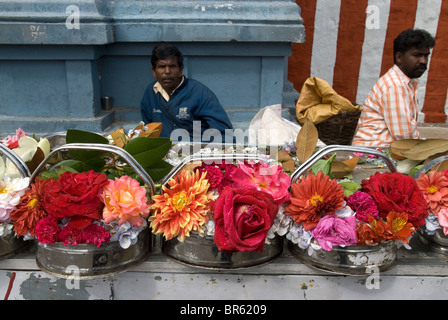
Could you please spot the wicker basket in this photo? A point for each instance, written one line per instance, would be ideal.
(339, 129)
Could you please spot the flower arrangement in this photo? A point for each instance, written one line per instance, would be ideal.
(82, 207)
(412, 155)
(235, 203)
(89, 196)
(325, 213)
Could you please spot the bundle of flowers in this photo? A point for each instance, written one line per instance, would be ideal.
(82, 207)
(89, 196)
(324, 213)
(237, 204)
(414, 155)
(12, 184)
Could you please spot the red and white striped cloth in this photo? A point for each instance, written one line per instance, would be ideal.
(349, 44)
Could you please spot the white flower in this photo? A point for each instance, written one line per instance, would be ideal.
(431, 224)
(26, 150)
(5, 229)
(11, 190)
(126, 234)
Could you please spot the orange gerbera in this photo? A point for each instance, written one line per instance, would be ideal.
(182, 207)
(398, 226)
(29, 210)
(313, 196)
(435, 190)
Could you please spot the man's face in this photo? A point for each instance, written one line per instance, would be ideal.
(413, 62)
(168, 73)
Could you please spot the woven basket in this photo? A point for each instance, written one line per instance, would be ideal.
(339, 129)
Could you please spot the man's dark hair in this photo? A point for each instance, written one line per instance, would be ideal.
(413, 38)
(165, 50)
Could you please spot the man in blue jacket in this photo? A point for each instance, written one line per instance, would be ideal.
(179, 102)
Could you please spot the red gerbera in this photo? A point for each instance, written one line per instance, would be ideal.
(312, 197)
(30, 209)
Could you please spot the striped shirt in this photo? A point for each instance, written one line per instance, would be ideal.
(389, 112)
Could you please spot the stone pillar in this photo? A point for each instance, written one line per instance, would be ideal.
(58, 58)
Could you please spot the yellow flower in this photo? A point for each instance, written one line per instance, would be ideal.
(182, 207)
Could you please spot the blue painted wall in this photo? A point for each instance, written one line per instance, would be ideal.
(52, 76)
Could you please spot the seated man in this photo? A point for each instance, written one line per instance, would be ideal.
(179, 102)
(390, 111)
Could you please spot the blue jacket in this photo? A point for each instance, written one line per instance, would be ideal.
(192, 101)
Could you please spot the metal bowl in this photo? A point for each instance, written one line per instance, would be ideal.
(87, 261)
(197, 251)
(200, 251)
(437, 242)
(10, 245)
(350, 260)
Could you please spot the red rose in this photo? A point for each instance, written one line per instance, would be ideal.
(393, 191)
(243, 217)
(75, 194)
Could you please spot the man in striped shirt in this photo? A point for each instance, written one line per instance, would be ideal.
(390, 111)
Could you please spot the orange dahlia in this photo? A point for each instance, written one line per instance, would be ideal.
(30, 210)
(182, 207)
(312, 197)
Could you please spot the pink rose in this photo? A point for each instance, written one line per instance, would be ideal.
(243, 217)
(334, 231)
(126, 201)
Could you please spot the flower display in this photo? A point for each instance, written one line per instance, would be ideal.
(235, 203)
(86, 197)
(384, 207)
(79, 207)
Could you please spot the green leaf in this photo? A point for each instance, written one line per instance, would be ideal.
(350, 187)
(148, 151)
(79, 136)
(323, 165)
(160, 171)
(142, 144)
